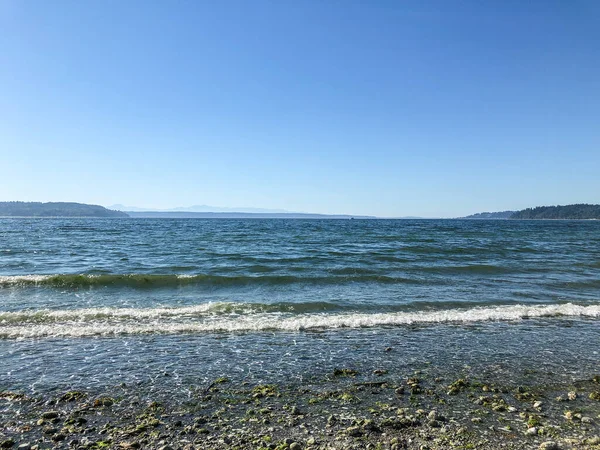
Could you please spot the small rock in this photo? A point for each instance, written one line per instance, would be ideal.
(59, 437)
(294, 411)
(531, 431)
(537, 404)
(50, 415)
(586, 419)
(434, 424)
(549, 445)
(7, 443)
(25, 446)
(388, 349)
(354, 431)
(295, 446)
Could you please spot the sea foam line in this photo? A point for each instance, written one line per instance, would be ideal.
(148, 324)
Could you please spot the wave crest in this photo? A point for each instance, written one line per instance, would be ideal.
(236, 317)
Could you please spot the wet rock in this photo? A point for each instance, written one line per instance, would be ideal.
(434, 424)
(345, 372)
(72, 396)
(104, 401)
(549, 445)
(434, 415)
(7, 443)
(59, 437)
(457, 386)
(49, 415)
(24, 446)
(354, 431)
(295, 446)
(369, 425)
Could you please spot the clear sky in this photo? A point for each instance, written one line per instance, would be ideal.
(390, 108)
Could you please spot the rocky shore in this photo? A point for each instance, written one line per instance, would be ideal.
(341, 412)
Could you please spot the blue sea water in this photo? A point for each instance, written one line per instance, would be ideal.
(93, 303)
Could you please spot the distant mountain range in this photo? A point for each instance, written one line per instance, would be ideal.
(238, 215)
(201, 209)
(579, 211)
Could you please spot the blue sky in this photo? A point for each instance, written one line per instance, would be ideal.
(390, 108)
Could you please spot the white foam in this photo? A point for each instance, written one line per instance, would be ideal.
(19, 279)
(177, 320)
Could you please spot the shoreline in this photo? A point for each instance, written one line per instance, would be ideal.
(343, 411)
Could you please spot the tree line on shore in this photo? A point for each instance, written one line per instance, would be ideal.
(56, 209)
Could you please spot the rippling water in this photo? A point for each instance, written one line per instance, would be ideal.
(73, 291)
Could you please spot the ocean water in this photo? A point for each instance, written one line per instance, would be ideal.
(162, 305)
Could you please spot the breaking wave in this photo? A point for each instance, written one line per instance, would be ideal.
(152, 280)
(247, 317)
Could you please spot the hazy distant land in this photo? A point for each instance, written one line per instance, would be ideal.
(56, 209)
(71, 209)
(238, 215)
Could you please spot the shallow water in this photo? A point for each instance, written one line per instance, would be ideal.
(171, 304)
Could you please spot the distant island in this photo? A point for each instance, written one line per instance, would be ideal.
(70, 209)
(580, 211)
(491, 215)
(55, 209)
